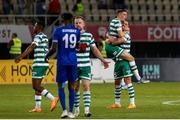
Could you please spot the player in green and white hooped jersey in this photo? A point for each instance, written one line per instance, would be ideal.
(39, 67)
(84, 66)
(122, 71)
(124, 43)
(115, 32)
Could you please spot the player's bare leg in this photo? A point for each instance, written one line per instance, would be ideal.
(117, 93)
(131, 92)
(127, 56)
(86, 97)
(39, 91)
(77, 98)
(71, 88)
(123, 84)
(38, 99)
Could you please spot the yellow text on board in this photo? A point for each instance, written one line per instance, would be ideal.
(21, 73)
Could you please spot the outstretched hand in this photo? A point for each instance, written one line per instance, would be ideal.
(17, 59)
(106, 64)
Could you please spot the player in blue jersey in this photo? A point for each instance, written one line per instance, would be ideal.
(66, 38)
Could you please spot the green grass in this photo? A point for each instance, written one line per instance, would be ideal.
(16, 100)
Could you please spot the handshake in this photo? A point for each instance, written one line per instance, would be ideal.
(82, 47)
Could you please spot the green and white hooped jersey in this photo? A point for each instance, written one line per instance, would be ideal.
(83, 59)
(126, 46)
(114, 27)
(41, 49)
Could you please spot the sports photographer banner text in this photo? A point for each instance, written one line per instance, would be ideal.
(154, 69)
(159, 69)
(20, 73)
(12, 73)
(143, 33)
(23, 32)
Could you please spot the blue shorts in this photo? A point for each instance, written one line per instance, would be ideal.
(66, 72)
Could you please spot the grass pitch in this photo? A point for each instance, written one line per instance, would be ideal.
(153, 101)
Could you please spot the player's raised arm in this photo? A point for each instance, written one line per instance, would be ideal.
(28, 50)
(97, 53)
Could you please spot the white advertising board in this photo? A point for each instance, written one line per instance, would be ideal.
(99, 73)
(22, 31)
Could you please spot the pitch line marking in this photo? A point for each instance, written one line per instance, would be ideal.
(175, 102)
(161, 96)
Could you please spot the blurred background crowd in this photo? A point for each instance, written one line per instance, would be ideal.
(99, 13)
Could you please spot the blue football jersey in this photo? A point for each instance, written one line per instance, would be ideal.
(67, 38)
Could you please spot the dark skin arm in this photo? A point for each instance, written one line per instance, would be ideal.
(28, 50)
(52, 50)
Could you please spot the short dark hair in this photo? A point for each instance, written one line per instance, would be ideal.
(67, 16)
(122, 10)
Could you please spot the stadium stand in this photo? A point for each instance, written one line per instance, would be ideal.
(141, 11)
